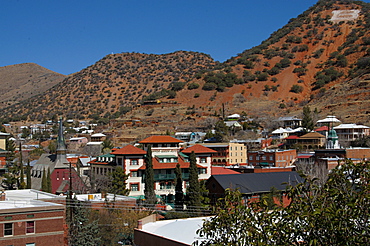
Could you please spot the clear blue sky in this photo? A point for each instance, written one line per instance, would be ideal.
(67, 36)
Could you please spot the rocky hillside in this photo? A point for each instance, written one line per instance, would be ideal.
(22, 81)
(324, 50)
(114, 85)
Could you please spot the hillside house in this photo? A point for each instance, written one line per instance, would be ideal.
(290, 122)
(350, 132)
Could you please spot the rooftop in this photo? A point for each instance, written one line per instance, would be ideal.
(160, 139)
(179, 230)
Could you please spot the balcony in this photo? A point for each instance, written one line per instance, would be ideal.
(171, 176)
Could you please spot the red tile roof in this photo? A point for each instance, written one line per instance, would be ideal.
(158, 165)
(129, 150)
(95, 162)
(198, 149)
(160, 139)
(222, 170)
(292, 137)
(323, 128)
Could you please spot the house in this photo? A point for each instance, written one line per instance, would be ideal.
(31, 222)
(191, 137)
(252, 185)
(350, 132)
(78, 140)
(311, 140)
(228, 154)
(290, 121)
(61, 170)
(272, 158)
(98, 137)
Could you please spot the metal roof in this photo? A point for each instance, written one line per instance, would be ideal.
(251, 183)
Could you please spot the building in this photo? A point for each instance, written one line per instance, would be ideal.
(350, 132)
(255, 144)
(190, 137)
(283, 133)
(228, 154)
(252, 185)
(272, 158)
(60, 169)
(166, 154)
(291, 122)
(31, 222)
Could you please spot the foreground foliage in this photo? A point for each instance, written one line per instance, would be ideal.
(336, 213)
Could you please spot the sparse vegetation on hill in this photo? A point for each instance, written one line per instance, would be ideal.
(297, 65)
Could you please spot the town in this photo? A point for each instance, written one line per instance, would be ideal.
(44, 186)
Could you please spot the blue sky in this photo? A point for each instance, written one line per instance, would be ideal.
(67, 36)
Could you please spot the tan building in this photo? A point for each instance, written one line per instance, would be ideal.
(228, 154)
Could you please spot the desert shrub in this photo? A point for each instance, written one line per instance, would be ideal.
(209, 86)
(296, 89)
(193, 86)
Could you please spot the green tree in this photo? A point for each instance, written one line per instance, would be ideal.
(44, 182)
(52, 147)
(28, 175)
(221, 131)
(179, 193)
(333, 213)
(118, 182)
(22, 184)
(149, 178)
(107, 146)
(48, 182)
(193, 191)
(307, 121)
(25, 132)
(82, 232)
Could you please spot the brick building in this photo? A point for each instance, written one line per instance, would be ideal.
(272, 158)
(31, 223)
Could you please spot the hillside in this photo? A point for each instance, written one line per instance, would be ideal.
(22, 81)
(309, 61)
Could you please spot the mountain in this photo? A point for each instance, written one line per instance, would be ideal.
(22, 81)
(309, 61)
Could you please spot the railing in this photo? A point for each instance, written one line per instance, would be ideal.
(171, 176)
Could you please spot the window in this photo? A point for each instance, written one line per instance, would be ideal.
(202, 171)
(8, 229)
(30, 244)
(133, 173)
(30, 227)
(203, 160)
(134, 187)
(251, 157)
(271, 158)
(134, 162)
